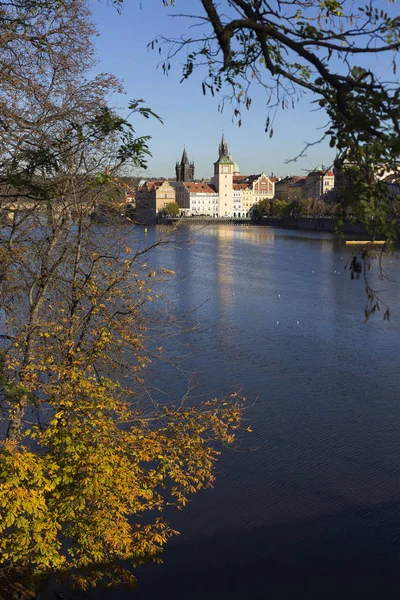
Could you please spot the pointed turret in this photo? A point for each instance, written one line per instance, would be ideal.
(185, 169)
(184, 159)
(223, 147)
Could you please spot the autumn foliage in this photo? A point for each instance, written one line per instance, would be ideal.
(87, 461)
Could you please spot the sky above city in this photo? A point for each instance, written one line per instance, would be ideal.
(190, 117)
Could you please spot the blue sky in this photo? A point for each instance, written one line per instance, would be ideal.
(189, 117)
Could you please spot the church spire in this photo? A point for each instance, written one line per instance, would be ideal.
(223, 147)
(184, 160)
(185, 169)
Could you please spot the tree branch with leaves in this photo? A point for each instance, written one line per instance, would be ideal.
(292, 48)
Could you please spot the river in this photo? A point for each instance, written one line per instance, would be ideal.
(308, 505)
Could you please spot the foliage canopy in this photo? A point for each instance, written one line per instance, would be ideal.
(172, 209)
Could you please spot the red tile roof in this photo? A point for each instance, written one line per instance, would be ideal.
(292, 179)
(150, 185)
(200, 188)
(320, 172)
(250, 179)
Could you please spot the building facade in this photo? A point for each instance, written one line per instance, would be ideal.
(290, 188)
(152, 198)
(203, 199)
(237, 194)
(253, 189)
(263, 187)
(248, 201)
(319, 185)
(197, 199)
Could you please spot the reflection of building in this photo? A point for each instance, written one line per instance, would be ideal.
(184, 170)
(151, 198)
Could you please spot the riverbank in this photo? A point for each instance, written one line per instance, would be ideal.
(326, 224)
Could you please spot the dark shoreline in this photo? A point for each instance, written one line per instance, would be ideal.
(324, 224)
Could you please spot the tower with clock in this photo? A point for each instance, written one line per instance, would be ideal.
(224, 169)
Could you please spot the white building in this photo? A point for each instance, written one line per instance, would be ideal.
(197, 198)
(237, 194)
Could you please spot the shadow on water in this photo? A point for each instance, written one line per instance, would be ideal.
(349, 554)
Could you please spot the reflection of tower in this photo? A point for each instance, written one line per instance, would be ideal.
(225, 269)
(184, 170)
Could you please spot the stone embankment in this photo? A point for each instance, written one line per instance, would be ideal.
(313, 223)
(308, 223)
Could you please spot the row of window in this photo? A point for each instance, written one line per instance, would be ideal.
(202, 202)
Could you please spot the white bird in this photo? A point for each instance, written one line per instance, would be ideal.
(277, 322)
(279, 295)
(297, 322)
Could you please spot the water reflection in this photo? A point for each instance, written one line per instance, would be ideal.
(317, 483)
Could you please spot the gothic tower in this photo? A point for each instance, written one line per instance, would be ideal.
(224, 168)
(184, 170)
(223, 147)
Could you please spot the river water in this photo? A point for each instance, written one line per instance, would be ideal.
(308, 506)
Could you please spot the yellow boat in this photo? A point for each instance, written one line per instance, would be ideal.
(365, 242)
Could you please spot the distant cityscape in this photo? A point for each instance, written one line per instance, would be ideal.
(229, 193)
